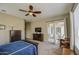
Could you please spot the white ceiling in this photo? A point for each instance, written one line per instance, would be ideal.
(48, 9)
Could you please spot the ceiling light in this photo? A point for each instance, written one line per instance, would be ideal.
(30, 13)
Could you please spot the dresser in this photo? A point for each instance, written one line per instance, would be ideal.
(38, 37)
(15, 35)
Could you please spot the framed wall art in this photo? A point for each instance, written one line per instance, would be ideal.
(2, 27)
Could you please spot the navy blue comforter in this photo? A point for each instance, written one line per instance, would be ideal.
(18, 48)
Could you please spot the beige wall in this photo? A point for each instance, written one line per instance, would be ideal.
(72, 31)
(4, 37)
(9, 21)
(68, 25)
(28, 30)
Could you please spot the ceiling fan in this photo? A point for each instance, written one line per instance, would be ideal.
(30, 11)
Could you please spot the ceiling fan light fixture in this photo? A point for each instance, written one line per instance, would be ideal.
(30, 13)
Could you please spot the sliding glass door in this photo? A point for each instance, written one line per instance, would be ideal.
(51, 33)
(56, 31)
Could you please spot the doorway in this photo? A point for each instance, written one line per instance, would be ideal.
(56, 31)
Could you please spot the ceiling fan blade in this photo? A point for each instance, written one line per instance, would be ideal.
(38, 12)
(22, 10)
(34, 15)
(26, 14)
(30, 7)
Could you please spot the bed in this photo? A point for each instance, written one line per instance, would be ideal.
(18, 48)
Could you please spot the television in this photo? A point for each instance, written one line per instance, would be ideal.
(38, 29)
